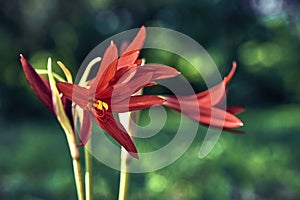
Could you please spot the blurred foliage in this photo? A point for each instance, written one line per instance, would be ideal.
(262, 36)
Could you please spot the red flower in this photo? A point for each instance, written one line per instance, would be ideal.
(210, 103)
(112, 90)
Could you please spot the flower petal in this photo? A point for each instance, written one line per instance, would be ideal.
(125, 90)
(159, 71)
(74, 92)
(210, 97)
(138, 42)
(128, 59)
(218, 118)
(131, 53)
(38, 84)
(106, 70)
(235, 109)
(86, 129)
(117, 131)
(138, 102)
(210, 116)
(215, 95)
(231, 73)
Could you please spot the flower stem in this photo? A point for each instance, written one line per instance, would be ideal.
(128, 120)
(78, 179)
(88, 174)
(124, 175)
(74, 151)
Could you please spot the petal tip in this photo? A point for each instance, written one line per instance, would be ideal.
(22, 58)
(135, 155)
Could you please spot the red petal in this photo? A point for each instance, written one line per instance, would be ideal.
(106, 70)
(138, 102)
(216, 94)
(205, 101)
(136, 44)
(74, 92)
(124, 75)
(130, 55)
(86, 129)
(235, 109)
(215, 117)
(231, 73)
(206, 115)
(218, 118)
(210, 97)
(38, 84)
(125, 90)
(128, 59)
(117, 131)
(159, 71)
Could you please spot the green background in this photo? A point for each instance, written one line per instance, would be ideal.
(262, 36)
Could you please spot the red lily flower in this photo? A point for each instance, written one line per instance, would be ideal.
(112, 90)
(209, 104)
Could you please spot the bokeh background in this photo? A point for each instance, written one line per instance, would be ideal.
(263, 36)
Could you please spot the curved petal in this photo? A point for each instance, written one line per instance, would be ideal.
(130, 55)
(38, 84)
(125, 90)
(215, 117)
(128, 59)
(215, 95)
(231, 73)
(74, 92)
(138, 102)
(209, 116)
(86, 129)
(159, 71)
(117, 131)
(124, 75)
(218, 118)
(106, 70)
(210, 97)
(235, 109)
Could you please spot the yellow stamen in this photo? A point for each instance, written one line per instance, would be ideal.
(100, 105)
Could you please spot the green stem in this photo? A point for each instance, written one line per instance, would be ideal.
(124, 175)
(74, 151)
(128, 120)
(78, 179)
(88, 174)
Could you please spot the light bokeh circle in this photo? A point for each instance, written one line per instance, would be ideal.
(108, 153)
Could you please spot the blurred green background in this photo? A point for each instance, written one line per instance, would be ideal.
(263, 36)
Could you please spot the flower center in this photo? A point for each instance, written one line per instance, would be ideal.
(100, 105)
